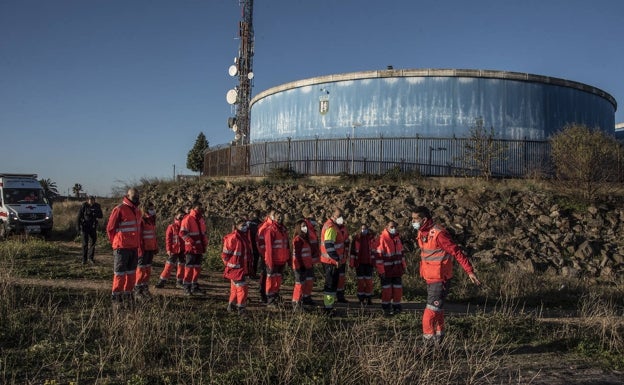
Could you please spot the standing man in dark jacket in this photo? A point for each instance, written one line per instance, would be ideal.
(87, 222)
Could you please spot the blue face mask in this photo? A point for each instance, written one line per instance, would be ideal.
(365, 231)
(243, 228)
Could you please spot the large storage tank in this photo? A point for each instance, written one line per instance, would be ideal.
(438, 103)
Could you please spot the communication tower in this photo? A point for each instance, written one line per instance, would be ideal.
(240, 96)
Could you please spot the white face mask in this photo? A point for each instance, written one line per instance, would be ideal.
(392, 231)
(340, 221)
(304, 229)
(417, 225)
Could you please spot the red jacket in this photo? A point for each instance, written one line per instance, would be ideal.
(276, 245)
(193, 232)
(389, 255)
(314, 242)
(363, 249)
(335, 236)
(172, 240)
(148, 235)
(260, 243)
(436, 250)
(236, 255)
(123, 227)
(302, 253)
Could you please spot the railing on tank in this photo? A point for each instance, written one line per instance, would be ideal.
(424, 156)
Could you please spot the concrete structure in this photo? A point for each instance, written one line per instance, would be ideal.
(434, 103)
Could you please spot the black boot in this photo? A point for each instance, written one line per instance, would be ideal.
(341, 297)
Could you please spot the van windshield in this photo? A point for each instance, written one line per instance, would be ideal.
(23, 195)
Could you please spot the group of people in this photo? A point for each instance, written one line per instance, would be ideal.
(262, 249)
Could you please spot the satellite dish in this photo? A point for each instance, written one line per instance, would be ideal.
(235, 127)
(250, 75)
(233, 70)
(237, 137)
(231, 96)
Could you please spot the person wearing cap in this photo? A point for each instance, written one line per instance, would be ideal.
(86, 224)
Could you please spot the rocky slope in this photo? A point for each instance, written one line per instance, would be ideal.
(535, 230)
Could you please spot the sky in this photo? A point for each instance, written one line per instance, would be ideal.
(106, 93)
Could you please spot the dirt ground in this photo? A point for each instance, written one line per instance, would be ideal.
(528, 365)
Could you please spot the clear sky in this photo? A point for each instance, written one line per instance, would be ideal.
(107, 92)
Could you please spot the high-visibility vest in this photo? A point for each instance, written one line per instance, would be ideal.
(276, 245)
(123, 228)
(193, 232)
(148, 235)
(435, 263)
(390, 260)
(172, 240)
(301, 253)
(236, 255)
(339, 243)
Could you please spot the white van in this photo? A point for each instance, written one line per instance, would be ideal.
(23, 206)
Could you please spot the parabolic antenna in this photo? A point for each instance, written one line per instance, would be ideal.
(231, 96)
(250, 75)
(235, 127)
(233, 70)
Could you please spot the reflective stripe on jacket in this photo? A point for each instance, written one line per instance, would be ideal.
(123, 227)
(193, 233)
(148, 234)
(332, 241)
(277, 251)
(390, 260)
(437, 251)
(172, 240)
(314, 242)
(363, 249)
(302, 253)
(236, 255)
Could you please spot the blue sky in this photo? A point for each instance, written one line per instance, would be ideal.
(106, 92)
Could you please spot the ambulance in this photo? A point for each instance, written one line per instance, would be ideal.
(24, 208)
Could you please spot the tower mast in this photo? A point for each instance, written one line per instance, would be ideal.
(243, 68)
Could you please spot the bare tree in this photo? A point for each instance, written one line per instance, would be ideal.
(482, 149)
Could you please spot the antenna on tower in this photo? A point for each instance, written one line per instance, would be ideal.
(240, 96)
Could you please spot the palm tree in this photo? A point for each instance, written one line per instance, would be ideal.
(77, 189)
(50, 190)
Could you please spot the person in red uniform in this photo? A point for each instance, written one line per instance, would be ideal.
(175, 253)
(237, 255)
(124, 233)
(147, 251)
(276, 256)
(390, 263)
(301, 265)
(193, 233)
(437, 251)
(362, 260)
(332, 246)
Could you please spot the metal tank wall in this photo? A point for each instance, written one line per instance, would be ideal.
(427, 103)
